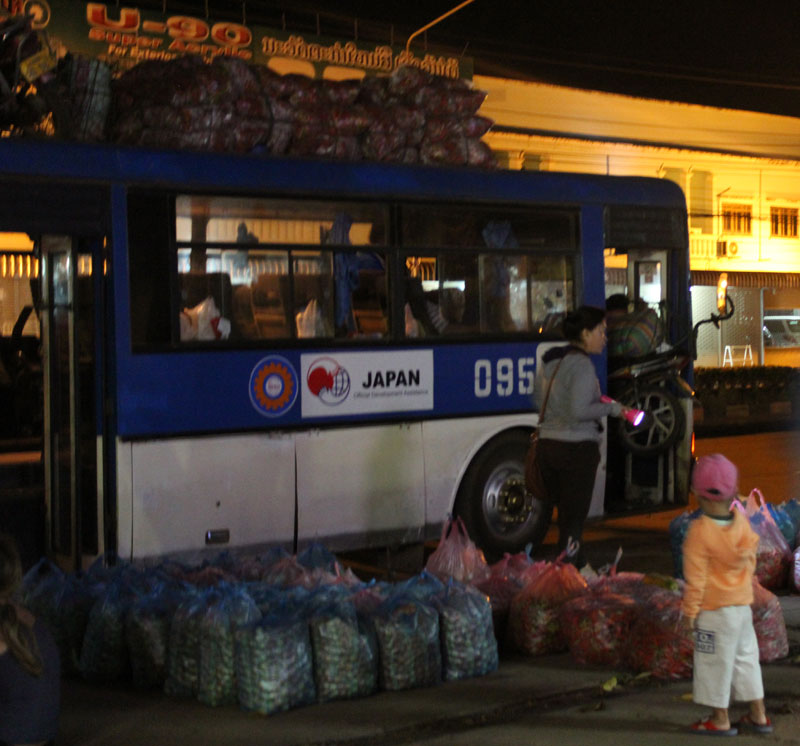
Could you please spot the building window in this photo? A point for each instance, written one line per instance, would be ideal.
(783, 221)
(736, 219)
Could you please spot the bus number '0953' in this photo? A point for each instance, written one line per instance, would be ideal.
(508, 377)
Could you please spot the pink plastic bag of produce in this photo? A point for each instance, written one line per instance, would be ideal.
(456, 556)
(501, 585)
(773, 643)
(774, 556)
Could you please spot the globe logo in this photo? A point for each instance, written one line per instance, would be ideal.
(328, 381)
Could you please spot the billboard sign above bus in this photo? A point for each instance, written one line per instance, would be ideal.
(124, 36)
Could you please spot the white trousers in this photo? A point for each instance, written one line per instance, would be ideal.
(726, 657)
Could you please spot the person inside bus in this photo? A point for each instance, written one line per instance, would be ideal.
(570, 428)
(30, 668)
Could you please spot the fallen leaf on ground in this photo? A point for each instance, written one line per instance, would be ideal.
(610, 685)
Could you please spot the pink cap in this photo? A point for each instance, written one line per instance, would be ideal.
(715, 478)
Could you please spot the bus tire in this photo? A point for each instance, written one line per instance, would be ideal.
(666, 424)
(498, 511)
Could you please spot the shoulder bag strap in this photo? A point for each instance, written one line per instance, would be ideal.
(549, 386)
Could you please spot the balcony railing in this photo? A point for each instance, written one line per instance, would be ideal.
(702, 246)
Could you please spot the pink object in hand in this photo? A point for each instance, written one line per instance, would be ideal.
(634, 416)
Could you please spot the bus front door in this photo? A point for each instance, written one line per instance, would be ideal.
(73, 431)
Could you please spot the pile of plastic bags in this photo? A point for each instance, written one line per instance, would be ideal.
(269, 632)
(778, 527)
(409, 116)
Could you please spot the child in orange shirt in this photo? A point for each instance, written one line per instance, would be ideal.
(719, 559)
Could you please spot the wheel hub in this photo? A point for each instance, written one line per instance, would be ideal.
(513, 501)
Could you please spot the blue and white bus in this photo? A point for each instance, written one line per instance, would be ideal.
(246, 351)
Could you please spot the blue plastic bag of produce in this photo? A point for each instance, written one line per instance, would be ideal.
(345, 658)
(229, 607)
(677, 533)
(407, 628)
(469, 645)
(274, 663)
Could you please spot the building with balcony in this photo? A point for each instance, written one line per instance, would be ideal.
(739, 170)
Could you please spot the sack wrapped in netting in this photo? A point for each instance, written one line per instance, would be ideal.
(345, 655)
(63, 602)
(659, 643)
(677, 533)
(228, 608)
(104, 654)
(274, 664)
(533, 624)
(407, 629)
(147, 628)
(77, 601)
(265, 596)
(769, 624)
(41, 591)
(772, 566)
(469, 646)
(597, 627)
(183, 652)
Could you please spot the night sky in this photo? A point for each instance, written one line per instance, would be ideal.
(703, 51)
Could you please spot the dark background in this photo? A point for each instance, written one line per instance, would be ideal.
(710, 52)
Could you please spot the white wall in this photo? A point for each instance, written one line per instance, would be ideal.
(718, 156)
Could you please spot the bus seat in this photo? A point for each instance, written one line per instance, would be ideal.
(371, 290)
(269, 306)
(267, 291)
(243, 318)
(370, 303)
(197, 286)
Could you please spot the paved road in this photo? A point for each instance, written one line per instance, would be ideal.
(530, 702)
(768, 461)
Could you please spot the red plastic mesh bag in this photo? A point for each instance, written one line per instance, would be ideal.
(659, 643)
(597, 627)
(770, 626)
(533, 620)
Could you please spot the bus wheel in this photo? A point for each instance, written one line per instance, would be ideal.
(497, 510)
(665, 422)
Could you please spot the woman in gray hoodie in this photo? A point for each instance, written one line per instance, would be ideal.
(568, 449)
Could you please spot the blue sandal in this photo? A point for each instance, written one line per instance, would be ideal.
(746, 724)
